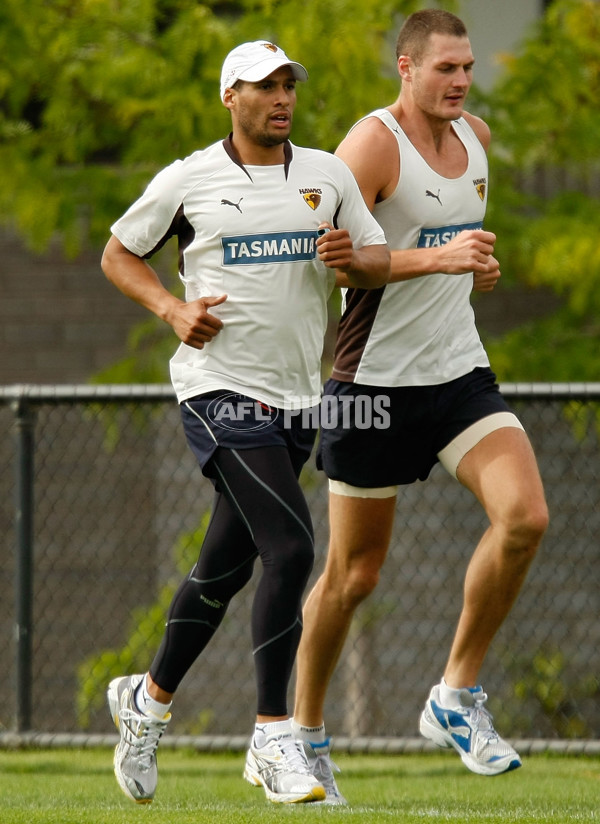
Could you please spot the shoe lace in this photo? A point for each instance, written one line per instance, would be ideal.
(146, 734)
(324, 768)
(481, 718)
(293, 754)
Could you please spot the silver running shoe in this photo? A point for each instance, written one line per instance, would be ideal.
(322, 767)
(135, 754)
(469, 730)
(280, 766)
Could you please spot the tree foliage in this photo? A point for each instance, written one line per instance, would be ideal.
(546, 123)
(97, 95)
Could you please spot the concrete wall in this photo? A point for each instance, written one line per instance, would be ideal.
(60, 320)
(496, 26)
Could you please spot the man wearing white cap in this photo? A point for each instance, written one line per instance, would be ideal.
(262, 227)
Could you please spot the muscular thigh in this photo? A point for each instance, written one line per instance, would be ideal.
(501, 470)
(361, 529)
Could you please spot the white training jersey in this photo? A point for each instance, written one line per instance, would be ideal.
(250, 232)
(421, 331)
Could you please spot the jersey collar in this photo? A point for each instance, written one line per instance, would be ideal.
(228, 146)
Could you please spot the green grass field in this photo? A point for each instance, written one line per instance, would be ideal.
(78, 787)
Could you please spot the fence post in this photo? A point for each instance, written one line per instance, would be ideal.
(24, 428)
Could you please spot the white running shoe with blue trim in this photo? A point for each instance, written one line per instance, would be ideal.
(469, 730)
(322, 767)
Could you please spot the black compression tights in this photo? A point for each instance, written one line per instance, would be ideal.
(260, 510)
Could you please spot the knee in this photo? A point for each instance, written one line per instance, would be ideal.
(361, 582)
(296, 556)
(526, 527)
(353, 584)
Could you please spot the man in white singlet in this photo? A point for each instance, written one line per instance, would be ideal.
(422, 167)
(262, 227)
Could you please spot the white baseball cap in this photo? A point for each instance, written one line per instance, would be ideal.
(255, 61)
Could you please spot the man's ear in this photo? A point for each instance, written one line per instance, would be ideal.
(405, 66)
(229, 98)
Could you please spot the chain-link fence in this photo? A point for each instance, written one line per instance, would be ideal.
(102, 509)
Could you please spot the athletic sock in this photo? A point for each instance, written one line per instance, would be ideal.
(271, 729)
(148, 705)
(314, 735)
(450, 697)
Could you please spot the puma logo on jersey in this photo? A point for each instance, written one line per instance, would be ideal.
(436, 197)
(235, 205)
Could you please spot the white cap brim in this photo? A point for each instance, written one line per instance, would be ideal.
(270, 65)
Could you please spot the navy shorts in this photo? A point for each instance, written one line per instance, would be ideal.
(384, 436)
(234, 421)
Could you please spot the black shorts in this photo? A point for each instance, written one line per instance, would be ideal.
(234, 421)
(384, 436)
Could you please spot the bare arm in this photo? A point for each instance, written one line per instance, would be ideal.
(470, 251)
(366, 268)
(192, 322)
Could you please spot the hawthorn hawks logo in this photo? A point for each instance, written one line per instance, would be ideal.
(312, 197)
(480, 186)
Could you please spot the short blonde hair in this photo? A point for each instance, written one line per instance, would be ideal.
(418, 28)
